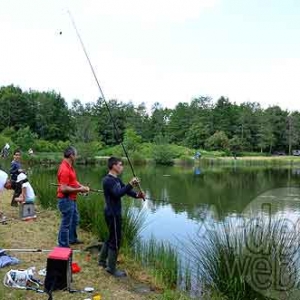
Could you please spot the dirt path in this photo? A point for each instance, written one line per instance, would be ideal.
(42, 234)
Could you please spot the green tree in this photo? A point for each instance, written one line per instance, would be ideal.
(24, 138)
(132, 141)
(265, 135)
(218, 141)
(196, 135)
(52, 116)
(162, 152)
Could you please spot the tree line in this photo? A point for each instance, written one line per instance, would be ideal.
(200, 124)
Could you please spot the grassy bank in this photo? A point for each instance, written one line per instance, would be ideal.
(92, 219)
(43, 234)
(178, 156)
(252, 161)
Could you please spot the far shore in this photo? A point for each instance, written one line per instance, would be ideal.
(205, 160)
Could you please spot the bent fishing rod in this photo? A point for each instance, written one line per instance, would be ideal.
(117, 134)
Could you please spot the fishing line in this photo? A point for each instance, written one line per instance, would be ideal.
(117, 134)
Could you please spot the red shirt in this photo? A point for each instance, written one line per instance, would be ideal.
(66, 175)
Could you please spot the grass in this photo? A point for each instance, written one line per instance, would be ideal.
(226, 259)
(43, 234)
(165, 274)
(161, 260)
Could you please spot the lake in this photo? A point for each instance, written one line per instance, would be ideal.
(192, 195)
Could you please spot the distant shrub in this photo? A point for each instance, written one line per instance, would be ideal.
(8, 132)
(44, 146)
(163, 155)
(4, 140)
(61, 146)
(24, 138)
(218, 141)
(111, 151)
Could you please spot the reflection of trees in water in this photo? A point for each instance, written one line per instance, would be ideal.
(229, 190)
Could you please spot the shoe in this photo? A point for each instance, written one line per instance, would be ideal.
(78, 242)
(111, 265)
(103, 256)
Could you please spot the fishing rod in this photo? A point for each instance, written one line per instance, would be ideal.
(91, 190)
(35, 250)
(117, 134)
(146, 198)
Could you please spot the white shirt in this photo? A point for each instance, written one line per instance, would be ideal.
(7, 146)
(29, 191)
(3, 178)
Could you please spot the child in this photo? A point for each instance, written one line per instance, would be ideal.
(27, 192)
(15, 170)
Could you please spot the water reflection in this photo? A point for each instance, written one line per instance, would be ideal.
(205, 193)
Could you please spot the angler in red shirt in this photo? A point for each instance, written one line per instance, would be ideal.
(67, 192)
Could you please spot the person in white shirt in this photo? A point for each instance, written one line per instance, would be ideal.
(27, 195)
(5, 183)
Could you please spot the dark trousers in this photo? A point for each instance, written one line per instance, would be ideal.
(69, 222)
(17, 192)
(114, 224)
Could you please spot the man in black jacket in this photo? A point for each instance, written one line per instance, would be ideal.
(114, 190)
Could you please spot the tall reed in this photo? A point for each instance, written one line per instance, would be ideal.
(228, 259)
(161, 260)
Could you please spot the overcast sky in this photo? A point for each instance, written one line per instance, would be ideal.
(155, 51)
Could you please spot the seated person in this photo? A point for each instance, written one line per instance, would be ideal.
(27, 193)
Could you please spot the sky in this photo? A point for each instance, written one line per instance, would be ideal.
(165, 51)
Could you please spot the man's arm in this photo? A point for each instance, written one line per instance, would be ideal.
(116, 190)
(63, 178)
(132, 194)
(22, 197)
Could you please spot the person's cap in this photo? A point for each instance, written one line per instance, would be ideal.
(21, 177)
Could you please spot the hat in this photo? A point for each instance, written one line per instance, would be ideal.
(3, 179)
(21, 177)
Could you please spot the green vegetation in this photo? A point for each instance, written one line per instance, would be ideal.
(43, 121)
(227, 259)
(161, 260)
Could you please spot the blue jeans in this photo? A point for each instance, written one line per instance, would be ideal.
(70, 219)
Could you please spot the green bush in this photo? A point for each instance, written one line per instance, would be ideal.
(179, 151)
(8, 132)
(112, 151)
(163, 155)
(61, 146)
(88, 150)
(146, 150)
(44, 146)
(4, 139)
(218, 141)
(24, 138)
